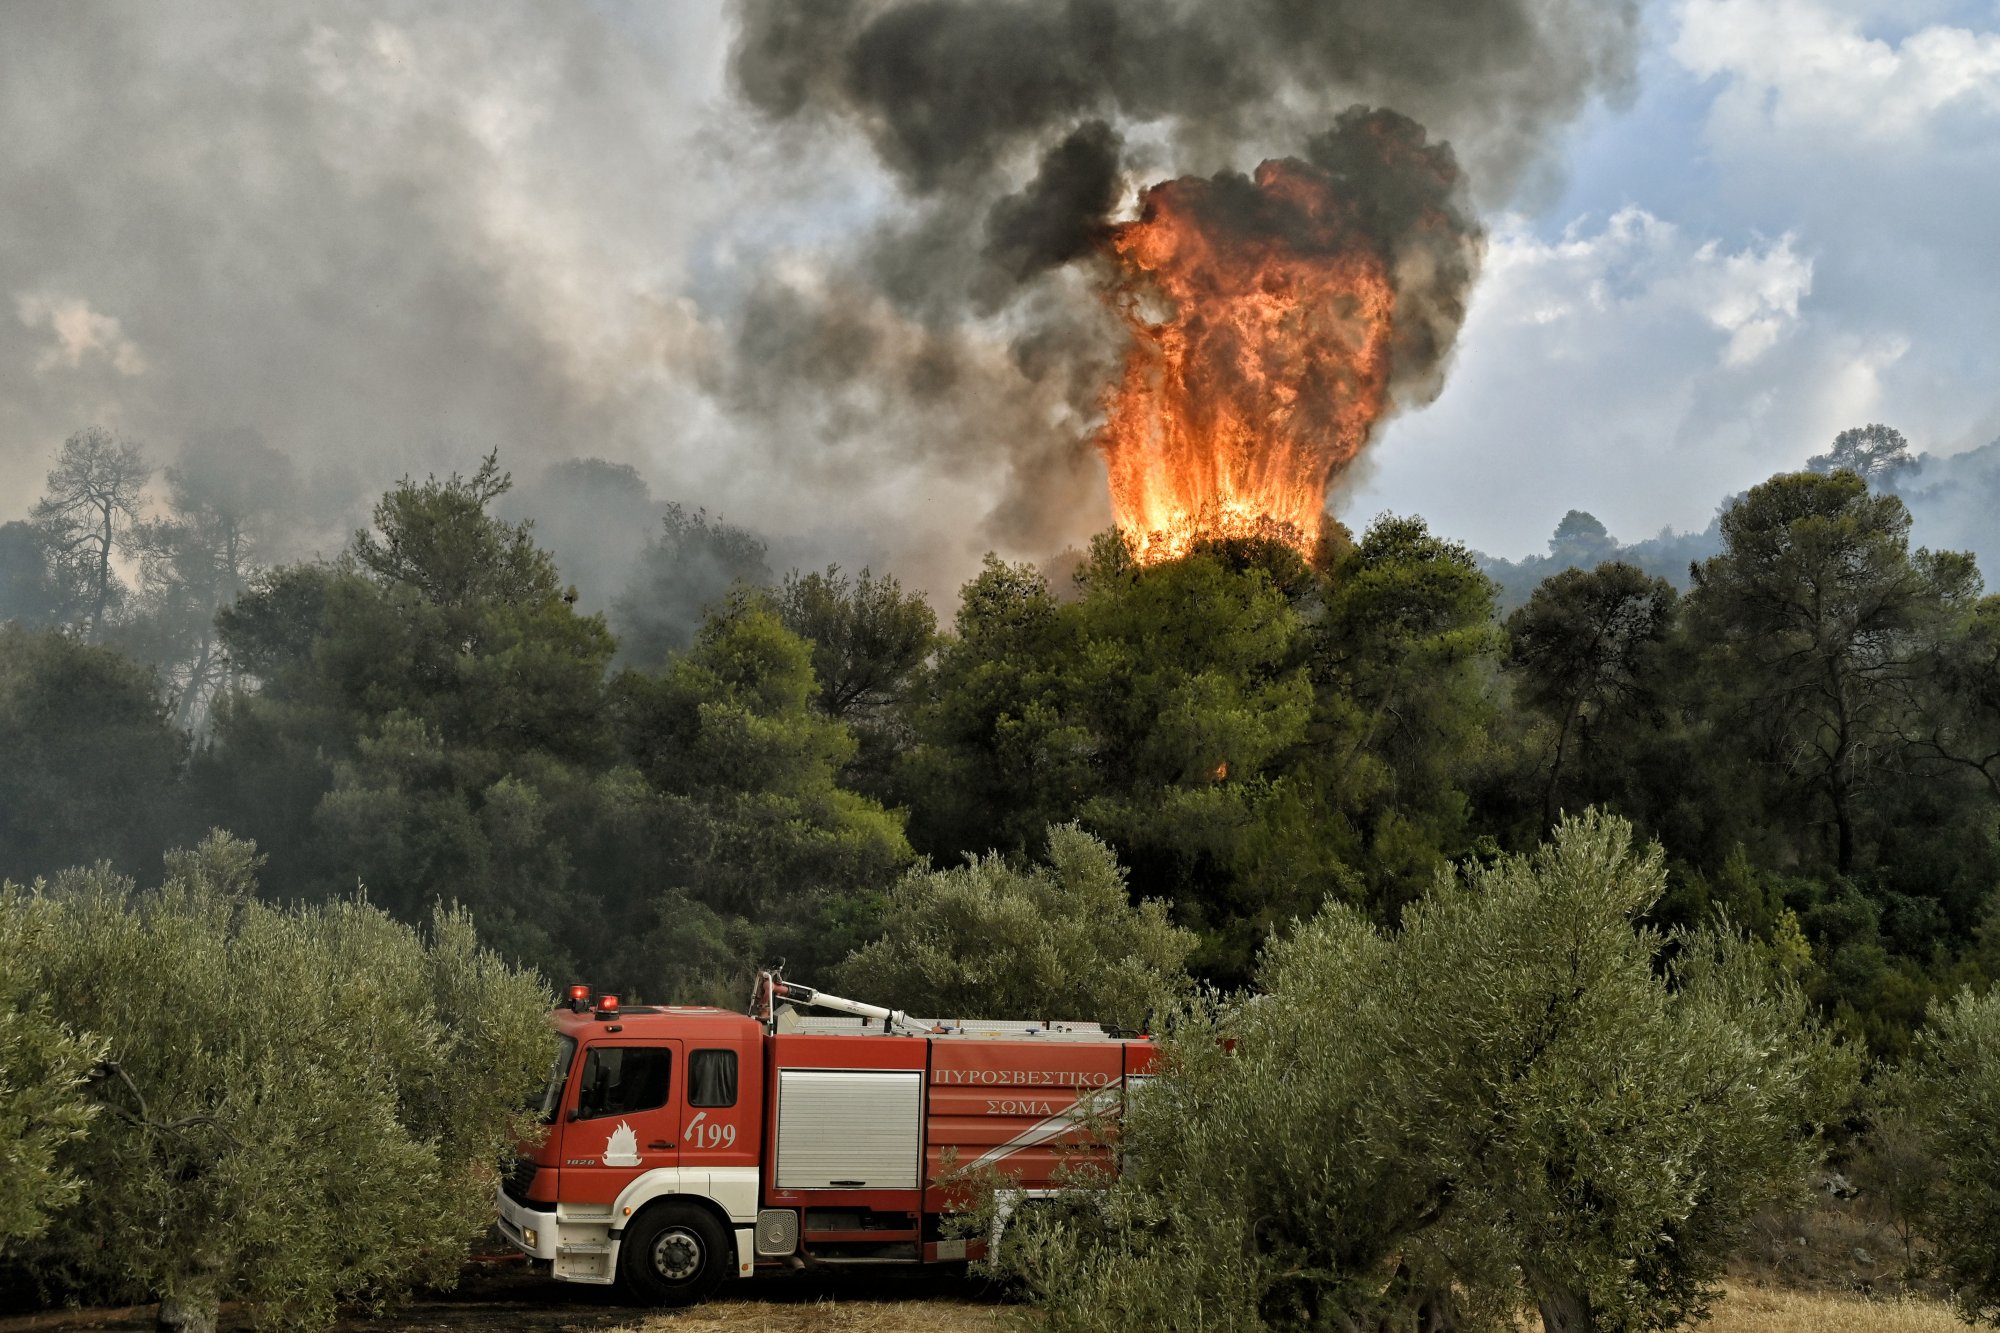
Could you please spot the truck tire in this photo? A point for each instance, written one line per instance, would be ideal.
(675, 1254)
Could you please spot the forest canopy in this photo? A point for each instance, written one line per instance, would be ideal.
(1757, 802)
(699, 764)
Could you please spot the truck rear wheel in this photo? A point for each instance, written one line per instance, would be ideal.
(675, 1254)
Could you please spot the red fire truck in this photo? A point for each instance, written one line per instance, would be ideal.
(688, 1144)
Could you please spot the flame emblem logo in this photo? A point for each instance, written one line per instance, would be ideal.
(622, 1148)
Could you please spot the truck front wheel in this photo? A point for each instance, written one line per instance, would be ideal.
(675, 1254)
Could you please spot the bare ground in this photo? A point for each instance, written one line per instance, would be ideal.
(874, 1303)
(1831, 1269)
(507, 1298)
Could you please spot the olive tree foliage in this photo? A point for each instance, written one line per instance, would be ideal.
(296, 1104)
(44, 1064)
(1951, 1094)
(1521, 1097)
(1003, 940)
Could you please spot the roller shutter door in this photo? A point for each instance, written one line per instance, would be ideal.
(849, 1129)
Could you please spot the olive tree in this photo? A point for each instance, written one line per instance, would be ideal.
(296, 1104)
(1608, 1111)
(1519, 1097)
(1055, 940)
(1951, 1093)
(44, 1063)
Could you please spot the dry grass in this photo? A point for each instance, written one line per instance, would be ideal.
(1768, 1310)
(1747, 1309)
(858, 1307)
(830, 1316)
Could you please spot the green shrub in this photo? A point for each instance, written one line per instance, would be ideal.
(996, 940)
(298, 1105)
(1951, 1092)
(1519, 1097)
(43, 1066)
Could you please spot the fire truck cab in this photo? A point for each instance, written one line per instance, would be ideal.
(686, 1145)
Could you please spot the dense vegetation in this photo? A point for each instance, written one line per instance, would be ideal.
(1245, 766)
(220, 1098)
(1516, 1089)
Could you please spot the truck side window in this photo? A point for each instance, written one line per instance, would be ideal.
(712, 1078)
(622, 1080)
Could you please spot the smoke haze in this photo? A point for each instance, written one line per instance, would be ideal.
(837, 292)
(383, 238)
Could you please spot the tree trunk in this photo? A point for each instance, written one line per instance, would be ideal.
(1437, 1312)
(1564, 1311)
(1555, 768)
(1843, 824)
(192, 1309)
(103, 581)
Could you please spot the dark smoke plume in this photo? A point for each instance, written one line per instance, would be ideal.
(1059, 215)
(1016, 130)
(1409, 198)
(843, 292)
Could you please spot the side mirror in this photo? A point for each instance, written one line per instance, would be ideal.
(574, 1115)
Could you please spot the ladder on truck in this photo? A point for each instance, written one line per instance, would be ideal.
(778, 1005)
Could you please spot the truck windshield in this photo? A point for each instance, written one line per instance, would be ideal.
(552, 1091)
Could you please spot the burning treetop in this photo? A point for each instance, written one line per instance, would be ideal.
(1273, 320)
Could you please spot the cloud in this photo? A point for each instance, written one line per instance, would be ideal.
(1752, 295)
(1629, 368)
(80, 333)
(1638, 271)
(1803, 244)
(1879, 146)
(1795, 67)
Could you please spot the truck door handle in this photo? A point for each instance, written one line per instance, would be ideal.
(659, 1143)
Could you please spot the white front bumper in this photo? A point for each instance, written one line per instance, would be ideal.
(576, 1239)
(578, 1249)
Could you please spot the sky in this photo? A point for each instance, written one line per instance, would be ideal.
(387, 238)
(1787, 232)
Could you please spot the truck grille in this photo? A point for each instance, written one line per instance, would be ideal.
(520, 1177)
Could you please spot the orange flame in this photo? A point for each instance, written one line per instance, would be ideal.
(1260, 316)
